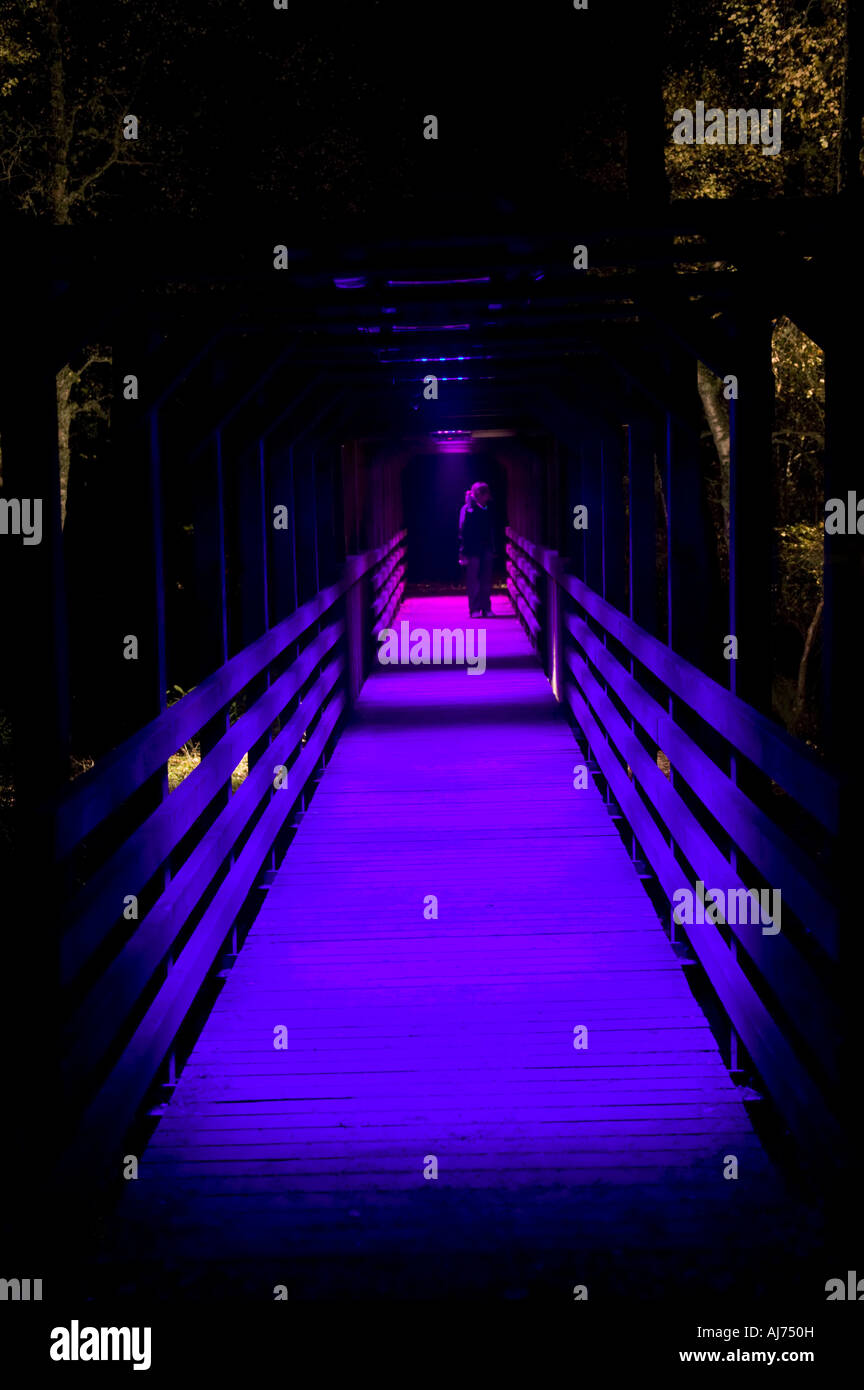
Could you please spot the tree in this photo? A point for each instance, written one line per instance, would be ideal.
(61, 111)
(778, 53)
(800, 58)
(68, 87)
(81, 392)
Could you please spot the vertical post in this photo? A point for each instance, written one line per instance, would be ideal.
(31, 545)
(554, 628)
(283, 557)
(325, 515)
(157, 540)
(751, 536)
(249, 502)
(305, 520)
(687, 587)
(613, 527)
(355, 626)
(751, 513)
(686, 583)
(209, 524)
(157, 536)
(843, 607)
(35, 694)
(641, 446)
(251, 538)
(591, 461)
(642, 570)
(212, 601)
(569, 455)
(134, 550)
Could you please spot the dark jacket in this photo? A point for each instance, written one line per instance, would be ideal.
(476, 530)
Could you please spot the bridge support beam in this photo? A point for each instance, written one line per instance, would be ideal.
(280, 493)
(591, 489)
(751, 513)
(306, 520)
(212, 599)
(133, 555)
(688, 583)
(841, 667)
(641, 453)
(614, 526)
(35, 695)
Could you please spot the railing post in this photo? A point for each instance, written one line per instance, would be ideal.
(554, 630)
(751, 514)
(641, 449)
(249, 501)
(843, 606)
(642, 567)
(688, 595)
(35, 666)
(591, 471)
(613, 524)
(355, 625)
(283, 559)
(212, 602)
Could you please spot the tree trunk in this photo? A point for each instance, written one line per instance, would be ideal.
(801, 690)
(658, 487)
(66, 379)
(716, 409)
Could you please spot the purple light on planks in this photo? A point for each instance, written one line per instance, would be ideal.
(451, 1036)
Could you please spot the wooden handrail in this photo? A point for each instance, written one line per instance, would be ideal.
(790, 1054)
(795, 1093)
(773, 852)
(778, 960)
(103, 1023)
(105, 787)
(781, 757)
(115, 1104)
(100, 902)
(101, 1014)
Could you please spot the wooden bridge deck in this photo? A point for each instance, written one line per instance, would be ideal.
(410, 1036)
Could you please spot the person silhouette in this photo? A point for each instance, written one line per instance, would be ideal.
(477, 548)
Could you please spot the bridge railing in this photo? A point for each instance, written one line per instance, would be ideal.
(186, 865)
(388, 586)
(715, 794)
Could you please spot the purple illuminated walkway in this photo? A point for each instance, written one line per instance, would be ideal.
(452, 1037)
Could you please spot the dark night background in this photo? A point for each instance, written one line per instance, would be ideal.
(315, 114)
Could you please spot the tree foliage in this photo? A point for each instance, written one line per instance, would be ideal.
(777, 54)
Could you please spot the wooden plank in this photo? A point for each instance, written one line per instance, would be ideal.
(523, 587)
(382, 602)
(522, 608)
(385, 569)
(452, 1035)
